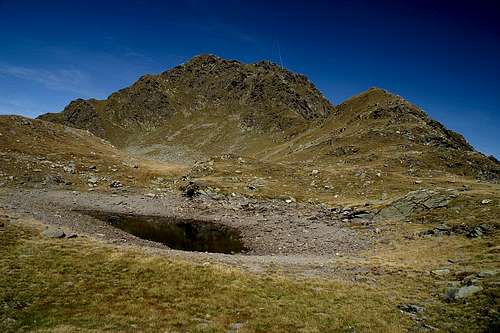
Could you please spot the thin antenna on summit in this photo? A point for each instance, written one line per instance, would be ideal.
(279, 53)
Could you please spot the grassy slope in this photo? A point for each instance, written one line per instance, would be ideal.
(71, 285)
(26, 144)
(84, 285)
(30, 150)
(366, 149)
(384, 163)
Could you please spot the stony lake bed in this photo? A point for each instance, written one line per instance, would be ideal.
(264, 239)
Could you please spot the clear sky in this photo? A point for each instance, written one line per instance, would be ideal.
(443, 56)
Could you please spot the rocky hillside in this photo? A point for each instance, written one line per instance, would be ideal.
(210, 107)
(380, 130)
(260, 97)
(35, 153)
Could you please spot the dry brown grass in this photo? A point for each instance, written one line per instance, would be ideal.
(81, 285)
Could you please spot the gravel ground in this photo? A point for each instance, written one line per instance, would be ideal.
(297, 238)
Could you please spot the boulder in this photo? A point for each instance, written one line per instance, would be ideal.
(440, 272)
(69, 168)
(53, 233)
(71, 235)
(191, 190)
(54, 179)
(487, 274)
(414, 201)
(440, 230)
(116, 184)
(476, 232)
(235, 327)
(93, 180)
(453, 294)
(411, 308)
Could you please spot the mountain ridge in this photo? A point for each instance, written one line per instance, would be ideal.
(210, 106)
(192, 86)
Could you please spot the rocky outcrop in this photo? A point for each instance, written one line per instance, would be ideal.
(79, 113)
(454, 293)
(415, 201)
(263, 95)
(263, 86)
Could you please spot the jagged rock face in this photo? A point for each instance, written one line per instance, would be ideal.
(385, 114)
(79, 113)
(262, 86)
(263, 96)
(146, 103)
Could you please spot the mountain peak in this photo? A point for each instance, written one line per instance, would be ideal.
(261, 96)
(204, 58)
(214, 106)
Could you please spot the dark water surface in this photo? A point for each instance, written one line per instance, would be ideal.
(176, 233)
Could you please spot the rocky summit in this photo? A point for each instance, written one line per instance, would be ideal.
(222, 196)
(210, 106)
(207, 93)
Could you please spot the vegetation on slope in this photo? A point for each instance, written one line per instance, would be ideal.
(210, 107)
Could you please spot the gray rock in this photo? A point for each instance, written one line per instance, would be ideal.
(8, 322)
(469, 279)
(415, 201)
(54, 179)
(440, 230)
(485, 274)
(93, 180)
(69, 168)
(53, 233)
(476, 232)
(441, 272)
(436, 201)
(71, 235)
(205, 326)
(116, 184)
(453, 294)
(411, 308)
(235, 327)
(258, 182)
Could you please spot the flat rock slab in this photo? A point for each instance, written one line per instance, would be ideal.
(415, 201)
(53, 233)
(440, 272)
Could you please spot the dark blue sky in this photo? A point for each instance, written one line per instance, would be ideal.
(443, 56)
